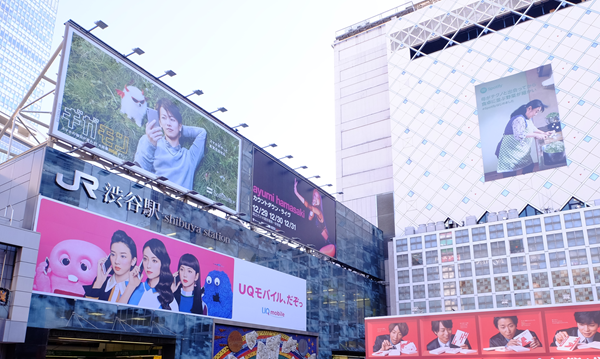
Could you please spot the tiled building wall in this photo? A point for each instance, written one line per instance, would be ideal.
(438, 171)
(539, 260)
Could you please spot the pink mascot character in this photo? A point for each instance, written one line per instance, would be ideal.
(71, 265)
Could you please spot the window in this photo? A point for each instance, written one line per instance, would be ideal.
(401, 245)
(555, 241)
(518, 264)
(448, 272)
(482, 268)
(529, 211)
(417, 259)
(432, 257)
(592, 217)
(578, 257)
(466, 287)
(402, 261)
(433, 273)
(523, 299)
(463, 253)
(500, 266)
(462, 236)
(467, 303)
(542, 298)
(464, 270)
(535, 243)
(503, 300)
(595, 254)
(498, 248)
(537, 261)
(449, 288)
(403, 277)
(516, 246)
(447, 255)
(594, 235)
(573, 203)
(450, 305)
(514, 229)
(572, 220)
(496, 231)
(445, 239)
(552, 223)
(416, 243)
(434, 290)
(419, 291)
(418, 275)
(430, 241)
(435, 306)
(480, 250)
(478, 234)
(403, 293)
(575, 239)
(533, 226)
(486, 302)
(558, 259)
(404, 308)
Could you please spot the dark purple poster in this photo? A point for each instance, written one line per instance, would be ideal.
(282, 201)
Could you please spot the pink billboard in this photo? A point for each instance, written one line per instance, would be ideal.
(89, 256)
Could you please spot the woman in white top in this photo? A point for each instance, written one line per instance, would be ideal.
(155, 292)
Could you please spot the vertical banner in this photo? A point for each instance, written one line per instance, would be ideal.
(519, 124)
(283, 201)
(129, 116)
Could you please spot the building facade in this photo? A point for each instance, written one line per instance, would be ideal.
(437, 52)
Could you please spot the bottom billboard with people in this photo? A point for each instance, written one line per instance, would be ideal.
(518, 333)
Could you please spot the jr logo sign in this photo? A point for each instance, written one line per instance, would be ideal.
(79, 178)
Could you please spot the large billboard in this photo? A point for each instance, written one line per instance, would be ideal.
(232, 342)
(519, 124)
(84, 255)
(283, 201)
(522, 333)
(130, 117)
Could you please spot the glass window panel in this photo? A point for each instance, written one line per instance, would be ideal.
(435, 306)
(581, 276)
(462, 236)
(537, 261)
(535, 243)
(500, 266)
(485, 302)
(448, 272)
(594, 235)
(578, 257)
(552, 223)
(572, 220)
(595, 255)
(533, 225)
(540, 280)
(504, 300)
(403, 293)
(478, 234)
(516, 246)
(542, 298)
(403, 277)
(498, 248)
(514, 229)
(480, 250)
(432, 257)
(466, 287)
(465, 270)
(430, 241)
(401, 245)
(450, 305)
(522, 299)
(434, 290)
(447, 255)
(417, 259)
(449, 288)
(482, 268)
(558, 259)
(518, 264)
(496, 231)
(520, 281)
(418, 275)
(419, 291)
(402, 261)
(433, 273)
(555, 241)
(467, 303)
(445, 239)
(463, 253)
(592, 217)
(575, 238)
(416, 243)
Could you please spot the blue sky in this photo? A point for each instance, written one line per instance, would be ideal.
(270, 63)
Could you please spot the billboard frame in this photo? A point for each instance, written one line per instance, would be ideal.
(70, 28)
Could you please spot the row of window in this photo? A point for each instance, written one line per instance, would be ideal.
(495, 231)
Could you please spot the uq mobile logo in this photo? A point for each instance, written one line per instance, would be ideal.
(483, 90)
(80, 178)
(273, 313)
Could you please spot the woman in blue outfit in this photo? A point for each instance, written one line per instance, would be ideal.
(155, 292)
(514, 149)
(161, 153)
(186, 286)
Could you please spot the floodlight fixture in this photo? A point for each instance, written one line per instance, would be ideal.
(137, 51)
(301, 167)
(271, 145)
(161, 178)
(189, 193)
(326, 185)
(220, 109)
(196, 92)
(240, 214)
(212, 205)
(279, 231)
(340, 192)
(317, 176)
(101, 24)
(242, 125)
(83, 145)
(171, 73)
(288, 156)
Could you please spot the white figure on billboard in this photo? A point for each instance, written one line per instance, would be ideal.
(161, 153)
(133, 103)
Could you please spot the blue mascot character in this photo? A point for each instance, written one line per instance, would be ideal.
(218, 295)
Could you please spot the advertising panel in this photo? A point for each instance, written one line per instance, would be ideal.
(88, 256)
(129, 116)
(239, 342)
(282, 201)
(519, 124)
(521, 333)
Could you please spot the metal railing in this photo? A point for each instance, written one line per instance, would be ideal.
(363, 25)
